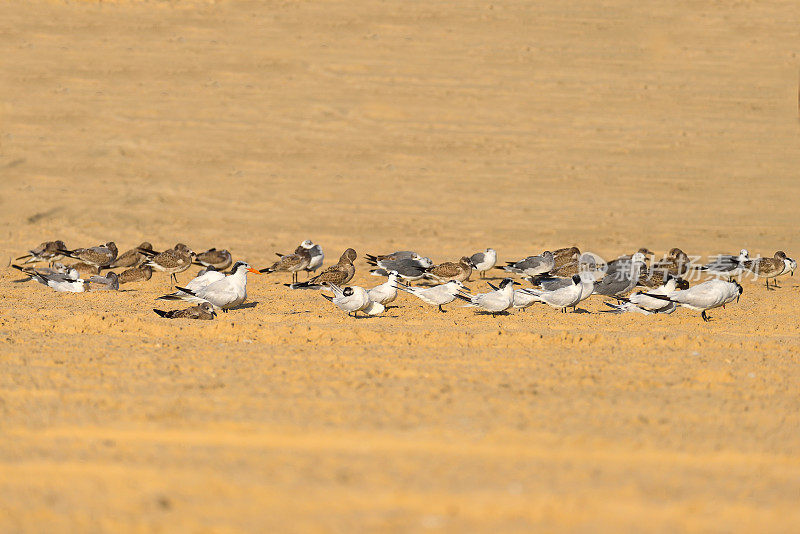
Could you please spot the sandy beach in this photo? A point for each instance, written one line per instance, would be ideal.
(444, 128)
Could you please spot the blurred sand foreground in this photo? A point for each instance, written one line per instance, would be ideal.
(445, 127)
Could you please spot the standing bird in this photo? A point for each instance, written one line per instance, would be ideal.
(493, 302)
(533, 265)
(408, 267)
(136, 274)
(706, 296)
(207, 276)
(483, 261)
(436, 295)
(588, 279)
(203, 311)
(450, 271)
(292, 263)
(338, 274)
(621, 279)
(523, 299)
(563, 297)
(218, 259)
(385, 293)
(727, 264)
(353, 300)
(49, 251)
(767, 267)
(225, 293)
(100, 256)
(132, 258)
(316, 256)
(790, 266)
(172, 261)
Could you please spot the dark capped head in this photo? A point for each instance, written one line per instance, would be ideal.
(347, 291)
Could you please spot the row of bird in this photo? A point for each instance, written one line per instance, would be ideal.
(562, 278)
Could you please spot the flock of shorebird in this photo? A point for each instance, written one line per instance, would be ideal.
(637, 282)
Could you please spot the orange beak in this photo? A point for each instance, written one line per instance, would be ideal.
(253, 271)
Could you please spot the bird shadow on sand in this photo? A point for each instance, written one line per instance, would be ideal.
(490, 313)
(245, 306)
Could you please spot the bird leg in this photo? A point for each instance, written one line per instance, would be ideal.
(704, 316)
(440, 309)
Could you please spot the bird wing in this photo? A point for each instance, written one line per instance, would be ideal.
(445, 270)
(332, 275)
(204, 280)
(477, 258)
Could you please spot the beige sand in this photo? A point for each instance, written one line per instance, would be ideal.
(443, 127)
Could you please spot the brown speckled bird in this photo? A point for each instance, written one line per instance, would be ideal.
(203, 311)
(172, 261)
(133, 257)
(291, 263)
(450, 271)
(48, 251)
(564, 256)
(767, 267)
(218, 259)
(141, 273)
(338, 274)
(101, 255)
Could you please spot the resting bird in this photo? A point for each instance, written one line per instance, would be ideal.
(495, 301)
(203, 311)
(353, 300)
(706, 296)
